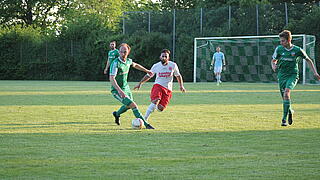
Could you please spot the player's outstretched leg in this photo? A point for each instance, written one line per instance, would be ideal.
(290, 116)
(116, 118)
(116, 114)
(137, 114)
(150, 109)
(286, 106)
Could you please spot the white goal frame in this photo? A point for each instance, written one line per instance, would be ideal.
(245, 37)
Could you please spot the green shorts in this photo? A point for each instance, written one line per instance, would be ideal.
(127, 100)
(288, 82)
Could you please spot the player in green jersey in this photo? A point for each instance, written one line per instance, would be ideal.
(119, 70)
(112, 55)
(285, 61)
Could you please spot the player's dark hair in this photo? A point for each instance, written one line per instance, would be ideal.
(165, 51)
(113, 41)
(285, 34)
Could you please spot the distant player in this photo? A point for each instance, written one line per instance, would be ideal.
(285, 60)
(112, 55)
(218, 60)
(161, 92)
(119, 70)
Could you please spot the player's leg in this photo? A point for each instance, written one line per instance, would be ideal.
(216, 73)
(128, 102)
(151, 108)
(282, 86)
(286, 105)
(137, 114)
(121, 110)
(155, 97)
(165, 99)
(286, 86)
(290, 86)
(217, 70)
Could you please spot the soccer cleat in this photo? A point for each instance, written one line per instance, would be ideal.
(284, 123)
(148, 126)
(116, 118)
(290, 120)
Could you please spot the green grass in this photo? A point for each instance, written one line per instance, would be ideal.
(65, 130)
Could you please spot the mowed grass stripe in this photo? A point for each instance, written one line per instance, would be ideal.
(200, 118)
(5, 93)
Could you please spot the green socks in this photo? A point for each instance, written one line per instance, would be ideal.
(286, 108)
(137, 114)
(122, 110)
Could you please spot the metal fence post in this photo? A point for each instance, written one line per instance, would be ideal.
(286, 12)
(257, 16)
(149, 22)
(201, 15)
(229, 17)
(174, 33)
(123, 23)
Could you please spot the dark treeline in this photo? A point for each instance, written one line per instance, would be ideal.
(74, 46)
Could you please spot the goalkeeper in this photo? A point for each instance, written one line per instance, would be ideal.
(285, 61)
(218, 60)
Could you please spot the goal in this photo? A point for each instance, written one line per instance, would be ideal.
(247, 58)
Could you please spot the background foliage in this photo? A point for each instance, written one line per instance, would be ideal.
(68, 39)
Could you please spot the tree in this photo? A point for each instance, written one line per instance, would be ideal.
(38, 13)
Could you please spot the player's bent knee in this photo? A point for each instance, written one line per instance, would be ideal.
(155, 101)
(160, 108)
(126, 101)
(133, 105)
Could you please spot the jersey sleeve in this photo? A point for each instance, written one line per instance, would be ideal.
(153, 70)
(223, 56)
(176, 71)
(113, 68)
(117, 54)
(276, 55)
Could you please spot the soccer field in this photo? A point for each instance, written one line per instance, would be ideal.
(65, 130)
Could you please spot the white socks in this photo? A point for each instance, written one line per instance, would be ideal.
(150, 109)
(218, 78)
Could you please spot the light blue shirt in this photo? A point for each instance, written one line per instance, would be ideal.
(218, 57)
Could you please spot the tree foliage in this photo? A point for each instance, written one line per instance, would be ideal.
(38, 13)
(78, 48)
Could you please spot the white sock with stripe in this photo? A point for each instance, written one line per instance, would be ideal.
(150, 109)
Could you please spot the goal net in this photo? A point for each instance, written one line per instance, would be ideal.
(247, 58)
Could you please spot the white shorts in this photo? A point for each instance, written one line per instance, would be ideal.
(217, 69)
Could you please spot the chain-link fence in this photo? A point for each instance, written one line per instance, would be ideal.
(223, 21)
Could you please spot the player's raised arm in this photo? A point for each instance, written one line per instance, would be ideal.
(141, 68)
(143, 80)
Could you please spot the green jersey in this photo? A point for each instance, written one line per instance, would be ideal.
(112, 55)
(120, 70)
(288, 60)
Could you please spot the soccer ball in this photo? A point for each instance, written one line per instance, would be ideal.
(137, 123)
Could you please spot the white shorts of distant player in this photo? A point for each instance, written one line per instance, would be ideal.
(217, 69)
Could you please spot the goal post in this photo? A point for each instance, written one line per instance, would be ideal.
(248, 58)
